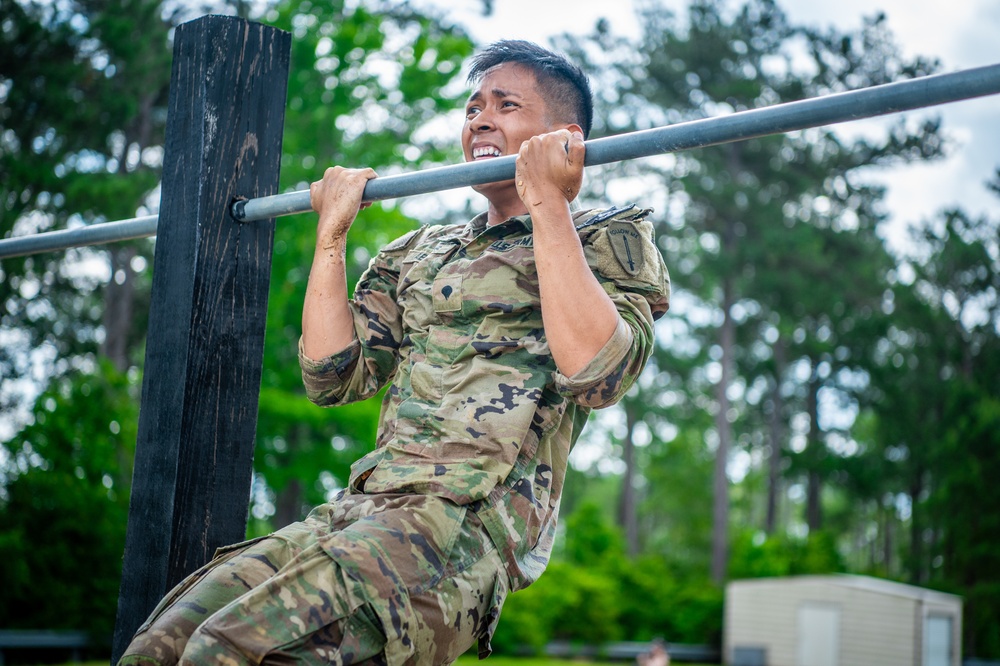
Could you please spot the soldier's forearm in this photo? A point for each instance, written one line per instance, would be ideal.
(327, 325)
(578, 315)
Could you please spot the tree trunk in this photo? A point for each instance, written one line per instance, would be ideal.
(720, 486)
(119, 294)
(627, 509)
(916, 530)
(814, 456)
(119, 298)
(872, 544)
(777, 432)
(288, 504)
(887, 542)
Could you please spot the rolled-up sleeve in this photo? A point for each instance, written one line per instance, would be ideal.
(640, 299)
(595, 385)
(325, 378)
(610, 374)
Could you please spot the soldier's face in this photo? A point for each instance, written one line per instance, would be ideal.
(504, 111)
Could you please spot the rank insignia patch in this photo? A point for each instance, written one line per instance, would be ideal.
(626, 243)
(447, 293)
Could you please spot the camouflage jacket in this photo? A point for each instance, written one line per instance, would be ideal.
(476, 410)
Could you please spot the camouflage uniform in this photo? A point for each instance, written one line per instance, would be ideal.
(457, 504)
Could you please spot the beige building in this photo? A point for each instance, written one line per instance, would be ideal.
(840, 620)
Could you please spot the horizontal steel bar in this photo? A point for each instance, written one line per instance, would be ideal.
(780, 118)
(94, 234)
(777, 119)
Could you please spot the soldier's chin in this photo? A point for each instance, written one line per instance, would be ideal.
(486, 188)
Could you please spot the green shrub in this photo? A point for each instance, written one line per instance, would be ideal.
(569, 603)
(756, 557)
(696, 613)
(598, 595)
(647, 593)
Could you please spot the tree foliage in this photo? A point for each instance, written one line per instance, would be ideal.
(367, 79)
(65, 503)
(771, 242)
(825, 373)
(109, 63)
(81, 101)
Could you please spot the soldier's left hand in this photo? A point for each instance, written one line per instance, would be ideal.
(550, 167)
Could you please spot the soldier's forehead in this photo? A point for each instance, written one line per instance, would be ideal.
(506, 79)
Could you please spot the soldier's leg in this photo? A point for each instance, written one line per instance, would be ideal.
(431, 573)
(461, 610)
(309, 612)
(231, 573)
(410, 581)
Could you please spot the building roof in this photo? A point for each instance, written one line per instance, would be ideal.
(865, 583)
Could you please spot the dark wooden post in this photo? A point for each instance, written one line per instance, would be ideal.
(204, 350)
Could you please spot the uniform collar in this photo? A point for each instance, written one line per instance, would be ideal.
(478, 224)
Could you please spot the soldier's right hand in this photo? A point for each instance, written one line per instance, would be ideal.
(337, 199)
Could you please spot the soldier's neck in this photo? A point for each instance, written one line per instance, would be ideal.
(504, 208)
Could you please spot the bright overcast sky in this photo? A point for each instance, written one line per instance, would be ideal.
(961, 34)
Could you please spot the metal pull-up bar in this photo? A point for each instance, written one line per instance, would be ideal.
(780, 118)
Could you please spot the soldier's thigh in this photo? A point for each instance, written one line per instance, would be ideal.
(309, 613)
(231, 573)
(458, 612)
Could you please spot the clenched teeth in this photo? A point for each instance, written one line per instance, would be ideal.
(485, 151)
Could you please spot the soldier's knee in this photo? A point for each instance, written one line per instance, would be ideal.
(203, 649)
(138, 660)
(145, 652)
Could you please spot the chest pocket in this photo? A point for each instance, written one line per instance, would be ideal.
(420, 296)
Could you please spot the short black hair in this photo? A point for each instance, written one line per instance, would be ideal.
(562, 84)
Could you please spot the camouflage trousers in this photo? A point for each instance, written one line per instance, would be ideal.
(366, 579)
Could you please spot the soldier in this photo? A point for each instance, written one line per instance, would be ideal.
(497, 338)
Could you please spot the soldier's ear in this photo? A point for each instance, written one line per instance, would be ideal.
(572, 127)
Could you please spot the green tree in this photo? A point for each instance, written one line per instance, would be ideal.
(366, 79)
(937, 412)
(83, 87)
(771, 242)
(65, 503)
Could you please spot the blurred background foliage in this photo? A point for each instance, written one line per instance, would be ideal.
(820, 400)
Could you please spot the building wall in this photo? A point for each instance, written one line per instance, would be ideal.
(875, 627)
(878, 628)
(761, 614)
(944, 608)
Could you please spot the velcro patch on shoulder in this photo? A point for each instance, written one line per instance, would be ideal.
(404, 241)
(627, 246)
(601, 216)
(623, 249)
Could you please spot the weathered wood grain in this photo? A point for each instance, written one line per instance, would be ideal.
(194, 453)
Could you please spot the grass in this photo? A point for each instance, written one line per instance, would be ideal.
(509, 661)
(471, 660)
(467, 660)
